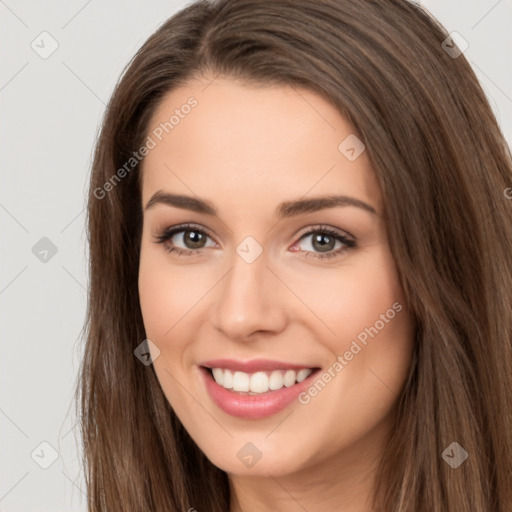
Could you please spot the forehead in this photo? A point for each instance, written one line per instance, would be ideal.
(250, 143)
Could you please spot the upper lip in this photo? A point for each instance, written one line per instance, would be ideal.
(254, 365)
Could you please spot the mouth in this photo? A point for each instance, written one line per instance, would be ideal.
(259, 382)
(257, 389)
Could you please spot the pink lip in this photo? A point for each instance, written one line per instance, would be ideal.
(253, 407)
(253, 366)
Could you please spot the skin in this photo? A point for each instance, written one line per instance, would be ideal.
(245, 149)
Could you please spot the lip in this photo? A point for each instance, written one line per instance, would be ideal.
(253, 366)
(253, 407)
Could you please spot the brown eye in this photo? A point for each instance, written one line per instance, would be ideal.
(193, 239)
(323, 243)
(190, 238)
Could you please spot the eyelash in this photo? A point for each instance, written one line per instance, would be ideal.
(326, 230)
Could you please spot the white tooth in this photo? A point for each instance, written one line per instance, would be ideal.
(289, 378)
(276, 380)
(228, 380)
(218, 375)
(303, 374)
(259, 382)
(241, 381)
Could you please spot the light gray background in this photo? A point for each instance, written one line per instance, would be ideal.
(51, 110)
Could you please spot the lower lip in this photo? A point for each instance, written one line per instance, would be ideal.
(253, 407)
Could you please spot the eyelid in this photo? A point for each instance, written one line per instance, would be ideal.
(347, 239)
(325, 227)
(306, 231)
(348, 242)
(172, 230)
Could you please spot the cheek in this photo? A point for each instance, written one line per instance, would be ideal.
(156, 298)
(351, 298)
(170, 298)
(164, 301)
(166, 292)
(369, 327)
(375, 335)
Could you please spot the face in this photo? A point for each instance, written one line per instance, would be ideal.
(279, 330)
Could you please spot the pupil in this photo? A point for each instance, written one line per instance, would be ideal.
(194, 238)
(324, 247)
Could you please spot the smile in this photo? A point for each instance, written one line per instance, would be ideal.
(259, 382)
(256, 389)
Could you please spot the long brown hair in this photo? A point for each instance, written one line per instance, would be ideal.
(443, 166)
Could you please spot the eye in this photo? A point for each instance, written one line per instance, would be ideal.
(323, 241)
(192, 237)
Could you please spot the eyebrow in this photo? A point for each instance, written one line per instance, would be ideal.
(285, 209)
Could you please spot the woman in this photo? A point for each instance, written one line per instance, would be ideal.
(301, 290)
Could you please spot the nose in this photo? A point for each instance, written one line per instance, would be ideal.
(250, 301)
